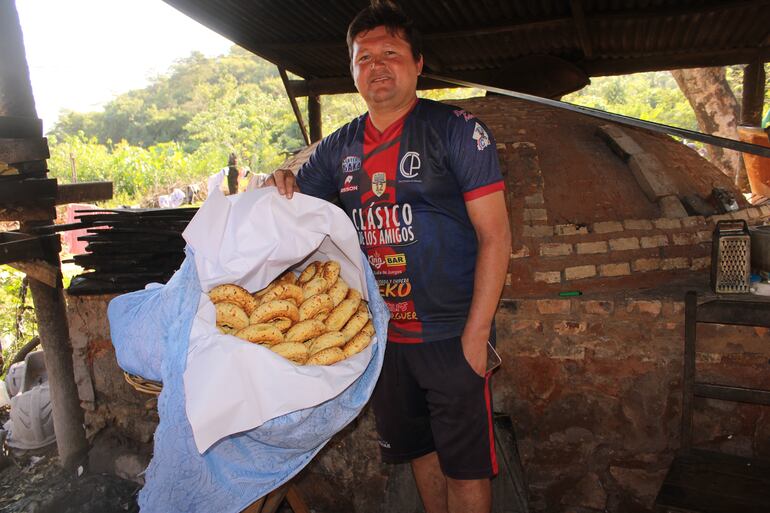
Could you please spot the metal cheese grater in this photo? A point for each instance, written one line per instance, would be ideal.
(730, 257)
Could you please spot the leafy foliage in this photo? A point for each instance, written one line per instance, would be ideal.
(17, 318)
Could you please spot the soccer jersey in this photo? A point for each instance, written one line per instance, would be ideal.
(405, 191)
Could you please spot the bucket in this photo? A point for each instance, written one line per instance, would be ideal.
(757, 168)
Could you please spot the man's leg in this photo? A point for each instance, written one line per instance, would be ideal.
(469, 496)
(431, 483)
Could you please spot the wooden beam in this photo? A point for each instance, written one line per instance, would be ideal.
(83, 192)
(27, 191)
(294, 106)
(314, 117)
(23, 150)
(27, 213)
(15, 127)
(341, 85)
(41, 271)
(753, 93)
(581, 27)
(15, 87)
(16, 246)
(670, 60)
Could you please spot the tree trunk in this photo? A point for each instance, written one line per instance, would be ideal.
(717, 112)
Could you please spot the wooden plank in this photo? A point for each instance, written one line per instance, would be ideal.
(41, 271)
(27, 213)
(651, 176)
(294, 105)
(15, 127)
(295, 500)
(83, 192)
(688, 372)
(619, 141)
(28, 190)
(729, 393)
(13, 248)
(743, 313)
(23, 150)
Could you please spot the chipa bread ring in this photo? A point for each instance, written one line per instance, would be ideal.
(330, 339)
(264, 333)
(277, 308)
(328, 356)
(315, 286)
(356, 344)
(342, 314)
(293, 351)
(313, 306)
(309, 273)
(287, 291)
(232, 293)
(231, 315)
(305, 330)
(338, 291)
(330, 271)
(355, 324)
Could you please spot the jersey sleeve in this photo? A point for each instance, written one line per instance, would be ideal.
(316, 176)
(473, 156)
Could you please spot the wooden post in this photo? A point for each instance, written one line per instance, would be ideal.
(16, 99)
(753, 93)
(294, 105)
(314, 117)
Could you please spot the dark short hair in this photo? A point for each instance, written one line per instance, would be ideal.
(385, 14)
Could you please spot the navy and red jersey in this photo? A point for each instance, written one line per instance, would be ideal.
(405, 190)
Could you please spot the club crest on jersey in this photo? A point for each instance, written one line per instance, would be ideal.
(379, 183)
(410, 164)
(351, 164)
(481, 137)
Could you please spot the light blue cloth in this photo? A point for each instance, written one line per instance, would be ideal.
(150, 330)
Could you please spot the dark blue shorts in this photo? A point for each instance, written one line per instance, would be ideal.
(428, 398)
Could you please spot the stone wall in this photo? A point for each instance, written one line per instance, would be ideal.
(119, 420)
(593, 385)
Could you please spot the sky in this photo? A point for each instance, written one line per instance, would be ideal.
(82, 53)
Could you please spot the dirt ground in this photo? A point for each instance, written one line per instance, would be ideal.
(33, 482)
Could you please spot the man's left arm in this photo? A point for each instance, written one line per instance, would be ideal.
(489, 217)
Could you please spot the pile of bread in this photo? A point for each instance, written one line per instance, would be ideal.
(313, 318)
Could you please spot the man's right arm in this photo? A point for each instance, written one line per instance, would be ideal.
(314, 178)
(285, 181)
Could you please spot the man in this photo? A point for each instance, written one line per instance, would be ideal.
(422, 184)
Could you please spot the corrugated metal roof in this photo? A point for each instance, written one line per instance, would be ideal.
(307, 37)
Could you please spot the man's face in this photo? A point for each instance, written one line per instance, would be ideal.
(384, 69)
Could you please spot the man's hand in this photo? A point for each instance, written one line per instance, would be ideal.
(475, 349)
(284, 180)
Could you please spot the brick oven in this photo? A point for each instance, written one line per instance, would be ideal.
(591, 381)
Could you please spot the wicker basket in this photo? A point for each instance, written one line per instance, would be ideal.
(143, 385)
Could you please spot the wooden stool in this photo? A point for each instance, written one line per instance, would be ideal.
(270, 502)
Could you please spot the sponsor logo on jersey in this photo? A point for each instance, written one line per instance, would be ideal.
(481, 137)
(379, 183)
(397, 260)
(410, 164)
(348, 185)
(351, 164)
(384, 225)
(464, 114)
(395, 289)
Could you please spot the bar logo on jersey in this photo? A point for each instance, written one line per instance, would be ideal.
(384, 225)
(348, 185)
(351, 164)
(379, 183)
(386, 262)
(481, 137)
(410, 164)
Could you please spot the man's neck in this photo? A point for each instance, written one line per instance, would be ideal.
(384, 117)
